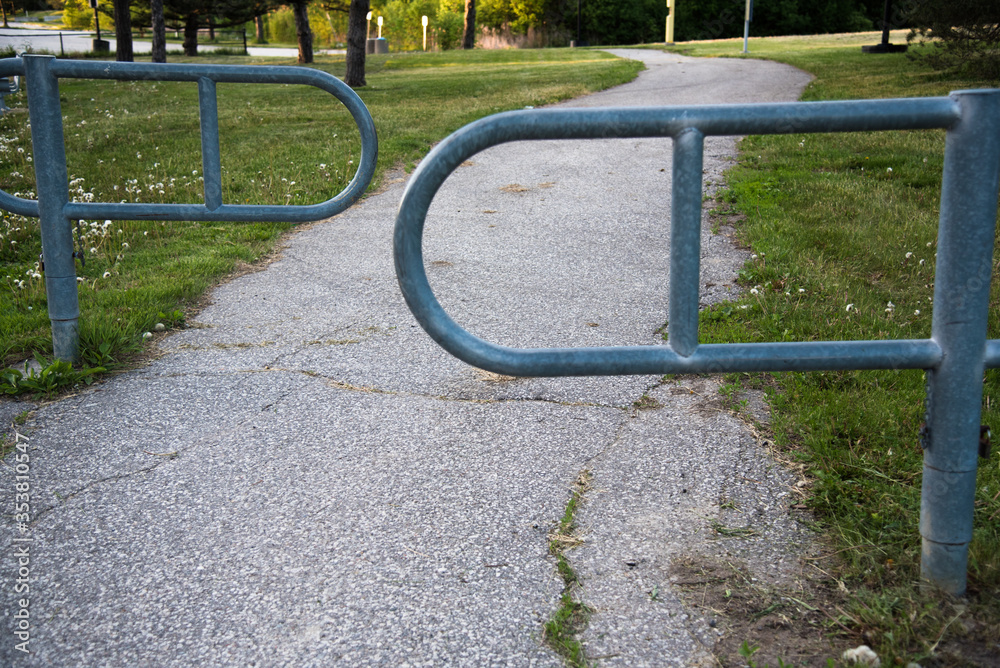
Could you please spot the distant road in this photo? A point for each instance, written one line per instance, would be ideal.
(71, 41)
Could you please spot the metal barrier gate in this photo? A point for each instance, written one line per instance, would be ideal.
(56, 213)
(954, 357)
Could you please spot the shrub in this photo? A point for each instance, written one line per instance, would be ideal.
(964, 35)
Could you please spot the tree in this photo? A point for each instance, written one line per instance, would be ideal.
(258, 23)
(302, 30)
(469, 37)
(123, 32)
(159, 50)
(965, 34)
(191, 15)
(357, 36)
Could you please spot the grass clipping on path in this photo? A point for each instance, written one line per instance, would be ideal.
(281, 144)
(843, 231)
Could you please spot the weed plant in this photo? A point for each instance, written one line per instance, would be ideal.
(843, 231)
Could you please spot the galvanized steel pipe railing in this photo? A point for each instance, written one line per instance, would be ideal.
(56, 213)
(954, 357)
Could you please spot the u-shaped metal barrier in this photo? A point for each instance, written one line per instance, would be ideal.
(954, 357)
(55, 212)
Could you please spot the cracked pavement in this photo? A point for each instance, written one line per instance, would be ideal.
(307, 479)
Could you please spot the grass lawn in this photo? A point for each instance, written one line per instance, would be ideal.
(139, 141)
(843, 219)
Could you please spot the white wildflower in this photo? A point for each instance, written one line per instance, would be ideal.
(849, 307)
(863, 655)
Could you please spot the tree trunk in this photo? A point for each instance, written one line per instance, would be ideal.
(469, 38)
(258, 22)
(357, 28)
(159, 32)
(191, 35)
(4, 9)
(302, 31)
(123, 32)
(211, 29)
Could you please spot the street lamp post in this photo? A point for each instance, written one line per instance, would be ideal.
(380, 27)
(671, 8)
(368, 29)
(885, 46)
(746, 25)
(423, 21)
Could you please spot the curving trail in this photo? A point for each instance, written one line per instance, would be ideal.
(309, 480)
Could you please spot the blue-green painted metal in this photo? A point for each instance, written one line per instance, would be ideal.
(954, 357)
(8, 86)
(56, 212)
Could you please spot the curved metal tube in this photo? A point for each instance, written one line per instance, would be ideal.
(219, 74)
(651, 122)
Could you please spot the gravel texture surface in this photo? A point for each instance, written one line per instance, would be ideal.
(307, 479)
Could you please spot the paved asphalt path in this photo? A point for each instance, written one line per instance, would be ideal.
(306, 479)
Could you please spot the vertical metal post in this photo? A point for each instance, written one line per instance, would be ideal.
(685, 241)
(52, 184)
(961, 302)
(670, 21)
(211, 161)
(746, 26)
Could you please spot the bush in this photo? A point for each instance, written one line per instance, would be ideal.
(281, 27)
(449, 30)
(964, 34)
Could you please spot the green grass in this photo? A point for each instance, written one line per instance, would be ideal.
(851, 219)
(562, 631)
(139, 141)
